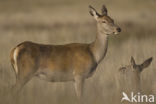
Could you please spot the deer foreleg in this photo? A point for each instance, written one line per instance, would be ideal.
(79, 83)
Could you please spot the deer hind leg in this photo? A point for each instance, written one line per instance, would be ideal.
(20, 82)
(79, 83)
(26, 70)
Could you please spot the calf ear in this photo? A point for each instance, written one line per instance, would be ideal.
(132, 61)
(146, 63)
(93, 12)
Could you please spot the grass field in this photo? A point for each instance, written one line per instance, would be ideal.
(68, 21)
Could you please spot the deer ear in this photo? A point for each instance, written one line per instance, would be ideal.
(132, 61)
(93, 12)
(104, 10)
(146, 63)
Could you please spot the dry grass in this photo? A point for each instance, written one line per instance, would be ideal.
(60, 22)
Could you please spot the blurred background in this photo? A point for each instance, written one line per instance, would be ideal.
(68, 21)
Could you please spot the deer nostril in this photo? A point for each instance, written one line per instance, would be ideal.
(118, 29)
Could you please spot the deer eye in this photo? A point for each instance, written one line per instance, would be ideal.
(103, 21)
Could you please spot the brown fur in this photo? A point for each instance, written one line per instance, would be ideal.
(54, 57)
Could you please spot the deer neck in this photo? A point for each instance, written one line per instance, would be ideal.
(99, 46)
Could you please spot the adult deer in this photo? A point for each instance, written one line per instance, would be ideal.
(60, 63)
(128, 78)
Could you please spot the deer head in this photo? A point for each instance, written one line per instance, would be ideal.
(105, 23)
(132, 72)
(136, 68)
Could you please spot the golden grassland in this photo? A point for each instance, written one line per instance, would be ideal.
(61, 22)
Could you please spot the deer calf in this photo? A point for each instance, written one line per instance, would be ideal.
(128, 78)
